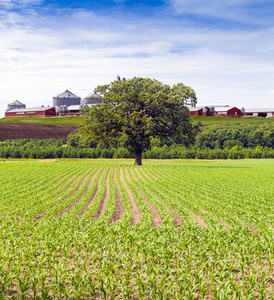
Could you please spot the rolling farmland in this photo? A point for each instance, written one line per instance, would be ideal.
(101, 229)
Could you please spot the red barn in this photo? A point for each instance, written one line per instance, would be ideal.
(227, 111)
(34, 111)
(199, 111)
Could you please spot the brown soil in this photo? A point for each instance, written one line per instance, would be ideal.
(92, 197)
(199, 220)
(157, 220)
(149, 174)
(177, 220)
(40, 216)
(80, 197)
(144, 173)
(119, 209)
(13, 131)
(136, 213)
(141, 177)
(220, 220)
(103, 204)
(133, 175)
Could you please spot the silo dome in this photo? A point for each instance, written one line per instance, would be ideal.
(16, 105)
(66, 98)
(92, 98)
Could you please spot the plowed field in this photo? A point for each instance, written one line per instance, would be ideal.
(34, 131)
(92, 229)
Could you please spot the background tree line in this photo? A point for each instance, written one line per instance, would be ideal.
(213, 142)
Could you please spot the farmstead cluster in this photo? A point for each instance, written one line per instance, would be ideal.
(69, 104)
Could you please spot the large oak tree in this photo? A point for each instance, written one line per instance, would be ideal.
(140, 108)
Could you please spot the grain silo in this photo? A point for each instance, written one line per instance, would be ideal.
(15, 105)
(66, 98)
(92, 98)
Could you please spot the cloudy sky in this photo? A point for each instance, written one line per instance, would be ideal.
(223, 49)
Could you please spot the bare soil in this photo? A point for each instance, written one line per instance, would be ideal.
(220, 220)
(199, 220)
(104, 200)
(93, 195)
(81, 196)
(119, 209)
(136, 213)
(13, 131)
(157, 220)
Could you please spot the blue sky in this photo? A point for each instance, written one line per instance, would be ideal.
(224, 50)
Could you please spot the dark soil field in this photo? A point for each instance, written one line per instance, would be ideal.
(34, 131)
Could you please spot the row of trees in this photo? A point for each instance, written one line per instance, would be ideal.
(244, 135)
(59, 149)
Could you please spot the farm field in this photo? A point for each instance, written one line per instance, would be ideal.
(105, 229)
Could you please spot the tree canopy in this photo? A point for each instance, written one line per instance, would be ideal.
(140, 108)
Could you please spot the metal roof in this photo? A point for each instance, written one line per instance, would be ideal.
(67, 94)
(74, 107)
(259, 110)
(196, 108)
(223, 108)
(34, 109)
(77, 107)
(93, 95)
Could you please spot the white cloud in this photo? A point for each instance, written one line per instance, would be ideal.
(42, 56)
(10, 4)
(244, 11)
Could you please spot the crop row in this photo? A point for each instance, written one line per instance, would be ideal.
(110, 230)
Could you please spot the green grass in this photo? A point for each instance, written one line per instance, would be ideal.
(223, 120)
(71, 120)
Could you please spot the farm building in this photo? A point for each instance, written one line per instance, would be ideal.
(259, 112)
(15, 105)
(227, 111)
(66, 98)
(199, 111)
(33, 111)
(75, 110)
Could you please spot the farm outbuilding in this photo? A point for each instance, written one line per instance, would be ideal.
(259, 112)
(227, 111)
(199, 111)
(33, 111)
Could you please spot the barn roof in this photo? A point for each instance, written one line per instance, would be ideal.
(30, 109)
(259, 110)
(223, 108)
(196, 108)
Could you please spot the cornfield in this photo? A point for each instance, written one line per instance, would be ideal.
(92, 229)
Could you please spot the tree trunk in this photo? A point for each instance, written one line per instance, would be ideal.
(138, 159)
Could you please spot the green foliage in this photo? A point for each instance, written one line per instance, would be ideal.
(245, 135)
(55, 245)
(140, 109)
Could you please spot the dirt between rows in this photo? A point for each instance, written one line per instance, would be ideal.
(13, 131)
